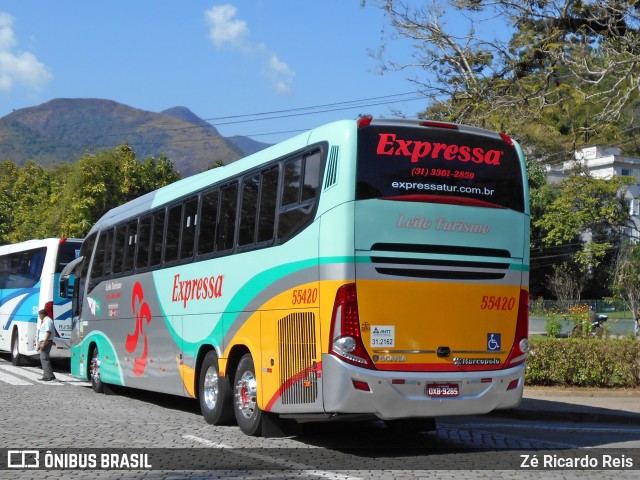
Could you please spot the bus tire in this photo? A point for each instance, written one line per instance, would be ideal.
(245, 398)
(214, 393)
(16, 357)
(94, 371)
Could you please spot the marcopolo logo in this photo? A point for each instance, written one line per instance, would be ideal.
(390, 145)
(460, 361)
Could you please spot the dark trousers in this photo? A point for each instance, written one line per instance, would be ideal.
(47, 369)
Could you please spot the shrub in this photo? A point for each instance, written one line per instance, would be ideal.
(553, 327)
(584, 362)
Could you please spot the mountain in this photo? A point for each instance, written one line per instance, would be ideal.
(247, 145)
(62, 130)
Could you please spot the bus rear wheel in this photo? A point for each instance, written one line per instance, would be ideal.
(214, 393)
(245, 398)
(94, 371)
(16, 357)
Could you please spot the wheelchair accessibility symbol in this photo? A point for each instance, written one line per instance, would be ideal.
(494, 342)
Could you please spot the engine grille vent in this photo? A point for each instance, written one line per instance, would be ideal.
(445, 269)
(297, 349)
(331, 176)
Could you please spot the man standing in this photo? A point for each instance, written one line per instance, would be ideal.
(45, 332)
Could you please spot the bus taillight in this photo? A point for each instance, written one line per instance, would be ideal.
(521, 342)
(346, 342)
(49, 308)
(364, 122)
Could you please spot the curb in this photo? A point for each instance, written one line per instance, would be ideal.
(535, 409)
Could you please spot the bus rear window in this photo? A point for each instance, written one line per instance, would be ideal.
(438, 165)
(67, 252)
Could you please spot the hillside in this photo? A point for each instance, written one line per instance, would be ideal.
(62, 130)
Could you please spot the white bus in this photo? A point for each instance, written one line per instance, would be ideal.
(29, 279)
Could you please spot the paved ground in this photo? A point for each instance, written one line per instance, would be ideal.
(579, 404)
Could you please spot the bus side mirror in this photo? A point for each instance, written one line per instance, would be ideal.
(72, 268)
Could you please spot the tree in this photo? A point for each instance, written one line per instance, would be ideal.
(31, 203)
(542, 194)
(564, 282)
(562, 73)
(587, 207)
(106, 180)
(626, 281)
(158, 173)
(8, 175)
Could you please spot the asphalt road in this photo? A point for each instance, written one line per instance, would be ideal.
(68, 420)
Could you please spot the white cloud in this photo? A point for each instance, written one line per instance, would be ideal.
(225, 29)
(18, 68)
(281, 75)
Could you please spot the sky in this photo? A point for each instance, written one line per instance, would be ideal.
(267, 69)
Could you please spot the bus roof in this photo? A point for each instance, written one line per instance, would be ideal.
(194, 183)
(35, 243)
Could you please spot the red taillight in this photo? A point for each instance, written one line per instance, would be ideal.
(49, 309)
(63, 240)
(520, 347)
(507, 139)
(429, 123)
(346, 342)
(364, 122)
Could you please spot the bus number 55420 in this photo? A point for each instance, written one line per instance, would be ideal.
(304, 296)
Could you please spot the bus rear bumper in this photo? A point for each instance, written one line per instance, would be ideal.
(394, 395)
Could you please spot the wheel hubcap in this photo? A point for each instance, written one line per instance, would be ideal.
(95, 367)
(211, 388)
(246, 394)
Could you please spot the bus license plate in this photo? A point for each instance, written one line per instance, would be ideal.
(443, 390)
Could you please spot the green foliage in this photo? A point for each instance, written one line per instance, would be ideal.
(31, 203)
(553, 327)
(587, 204)
(583, 362)
(103, 181)
(68, 199)
(8, 175)
(626, 282)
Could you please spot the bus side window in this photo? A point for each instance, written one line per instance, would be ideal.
(249, 210)
(119, 248)
(173, 233)
(225, 229)
(298, 195)
(130, 246)
(189, 222)
(208, 218)
(85, 250)
(291, 186)
(157, 239)
(311, 177)
(144, 241)
(108, 253)
(97, 268)
(268, 204)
